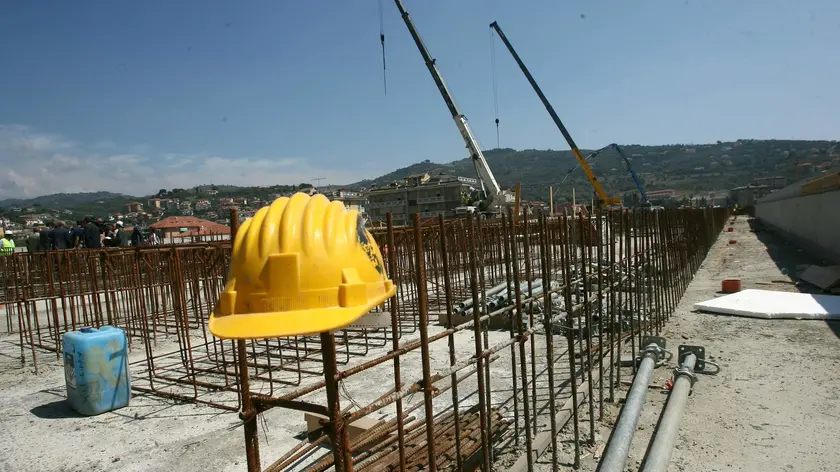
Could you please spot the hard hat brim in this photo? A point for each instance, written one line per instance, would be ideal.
(291, 323)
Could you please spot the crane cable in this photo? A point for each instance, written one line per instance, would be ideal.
(382, 42)
(495, 87)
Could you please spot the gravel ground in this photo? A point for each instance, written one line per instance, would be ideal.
(774, 405)
(40, 432)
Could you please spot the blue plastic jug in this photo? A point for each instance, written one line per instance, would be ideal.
(96, 369)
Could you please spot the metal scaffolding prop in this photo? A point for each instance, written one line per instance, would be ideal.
(500, 334)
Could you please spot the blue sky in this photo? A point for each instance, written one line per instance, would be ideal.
(137, 96)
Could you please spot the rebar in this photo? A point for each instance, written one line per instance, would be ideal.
(477, 309)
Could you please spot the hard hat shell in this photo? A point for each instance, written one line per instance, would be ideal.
(302, 265)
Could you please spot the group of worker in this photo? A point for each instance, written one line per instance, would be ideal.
(87, 233)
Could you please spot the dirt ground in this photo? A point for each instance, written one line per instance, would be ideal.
(774, 406)
(39, 431)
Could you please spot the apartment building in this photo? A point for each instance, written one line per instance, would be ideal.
(351, 200)
(420, 193)
(135, 207)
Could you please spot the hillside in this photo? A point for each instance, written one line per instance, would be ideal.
(695, 169)
(67, 199)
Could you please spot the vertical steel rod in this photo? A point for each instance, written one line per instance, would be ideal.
(517, 314)
(423, 303)
(395, 335)
(565, 263)
(248, 414)
(342, 454)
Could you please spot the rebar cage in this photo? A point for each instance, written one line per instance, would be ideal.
(501, 333)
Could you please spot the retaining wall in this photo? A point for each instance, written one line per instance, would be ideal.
(807, 213)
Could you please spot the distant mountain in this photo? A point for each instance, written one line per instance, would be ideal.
(63, 200)
(690, 168)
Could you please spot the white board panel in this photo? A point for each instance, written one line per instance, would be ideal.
(768, 304)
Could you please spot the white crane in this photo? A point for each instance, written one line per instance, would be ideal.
(494, 197)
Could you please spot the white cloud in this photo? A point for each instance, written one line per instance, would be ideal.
(64, 162)
(38, 163)
(126, 159)
(25, 139)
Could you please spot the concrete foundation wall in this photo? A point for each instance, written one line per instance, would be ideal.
(812, 221)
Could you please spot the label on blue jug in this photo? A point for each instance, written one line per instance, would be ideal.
(69, 370)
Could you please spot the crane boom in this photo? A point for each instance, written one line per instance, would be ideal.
(603, 199)
(627, 165)
(494, 193)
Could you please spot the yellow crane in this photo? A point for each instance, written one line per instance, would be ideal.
(603, 199)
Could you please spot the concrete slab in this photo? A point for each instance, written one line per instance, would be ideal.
(772, 305)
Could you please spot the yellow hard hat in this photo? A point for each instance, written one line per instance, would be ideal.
(302, 265)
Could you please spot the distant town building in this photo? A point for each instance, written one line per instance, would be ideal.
(174, 228)
(665, 194)
(155, 202)
(134, 207)
(352, 200)
(419, 193)
(172, 204)
(747, 195)
(773, 182)
(32, 220)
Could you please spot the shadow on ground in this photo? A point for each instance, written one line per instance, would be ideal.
(787, 255)
(58, 409)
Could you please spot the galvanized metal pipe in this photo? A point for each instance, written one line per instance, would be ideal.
(662, 445)
(490, 292)
(615, 455)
